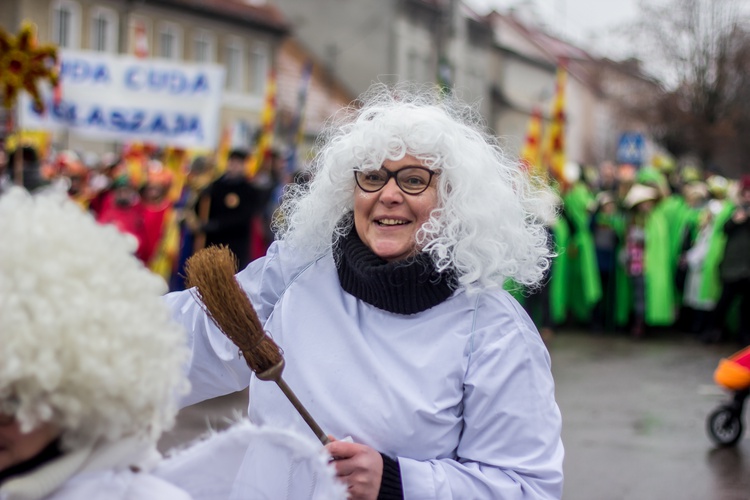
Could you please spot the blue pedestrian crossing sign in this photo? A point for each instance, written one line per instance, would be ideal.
(631, 148)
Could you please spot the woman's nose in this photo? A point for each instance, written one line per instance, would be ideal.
(391, 193)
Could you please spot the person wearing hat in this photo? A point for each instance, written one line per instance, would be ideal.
(69, 167)
(91, 366)
(161, 230)
(585, 284)
(200, 175)
(125, 212)
(688, 210)
(734, 269)
(226, 207)
(697, 305)
(607, 226)
(102, 178)
(647, 260)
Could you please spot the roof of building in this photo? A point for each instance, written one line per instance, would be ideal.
(556, 50)
(262, 15)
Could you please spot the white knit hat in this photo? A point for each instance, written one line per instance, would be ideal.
(86, 340)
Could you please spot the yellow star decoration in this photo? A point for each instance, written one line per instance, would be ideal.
(23, 63)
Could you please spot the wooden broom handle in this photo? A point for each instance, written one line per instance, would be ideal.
(274, 373)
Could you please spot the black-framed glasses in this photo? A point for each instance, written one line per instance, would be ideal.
(411, 180)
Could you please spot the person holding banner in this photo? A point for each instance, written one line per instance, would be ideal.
(385, 293)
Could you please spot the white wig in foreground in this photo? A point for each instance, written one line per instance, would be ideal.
(489, 226)
(86, 340)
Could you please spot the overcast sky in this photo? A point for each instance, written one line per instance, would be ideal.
(588, 22)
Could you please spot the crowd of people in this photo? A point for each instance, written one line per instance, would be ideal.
(172, 203)
(643, 249)
(660, 246)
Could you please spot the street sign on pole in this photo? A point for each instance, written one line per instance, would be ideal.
(631, 148)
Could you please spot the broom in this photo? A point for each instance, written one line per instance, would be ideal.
(211, 271)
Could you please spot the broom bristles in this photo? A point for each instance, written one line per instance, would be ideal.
(211, 271)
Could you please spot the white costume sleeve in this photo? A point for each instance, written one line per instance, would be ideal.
(215, 368)
(510, 447)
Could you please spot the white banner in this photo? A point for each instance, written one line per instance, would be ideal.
(120, 97)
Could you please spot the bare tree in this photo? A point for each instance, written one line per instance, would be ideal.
(699, 50)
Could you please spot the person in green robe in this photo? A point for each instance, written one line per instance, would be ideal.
(721, 207)
(583, 276)
(734, 269)
(647, 260)
(607, 226)
(698, 305)
(547, 304)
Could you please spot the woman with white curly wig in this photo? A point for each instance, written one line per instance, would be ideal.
(91, 364)
(385, 293)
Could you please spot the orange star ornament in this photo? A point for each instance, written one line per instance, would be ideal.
(23, 64)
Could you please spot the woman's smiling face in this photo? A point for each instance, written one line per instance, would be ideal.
(388, 220)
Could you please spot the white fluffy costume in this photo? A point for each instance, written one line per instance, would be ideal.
(247, 462)
(86, 343)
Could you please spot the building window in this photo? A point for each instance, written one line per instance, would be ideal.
(258, 68)
(203, 46)
(65, 23)
(170, 41)
(234, 66)
(104, 30)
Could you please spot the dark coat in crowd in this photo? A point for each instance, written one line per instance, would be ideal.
(233, 202)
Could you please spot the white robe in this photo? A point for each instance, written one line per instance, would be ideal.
(460, 394)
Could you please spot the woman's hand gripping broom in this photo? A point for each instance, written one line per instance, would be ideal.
(211, 271)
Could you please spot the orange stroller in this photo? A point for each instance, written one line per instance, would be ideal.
(725, 423)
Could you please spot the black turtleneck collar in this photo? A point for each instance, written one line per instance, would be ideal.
(403, 287)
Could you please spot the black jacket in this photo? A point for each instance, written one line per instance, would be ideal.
(233, 202)
(736, 262)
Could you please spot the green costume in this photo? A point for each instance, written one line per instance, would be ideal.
(658, 274)
(710, 288)
(621, 282)
(558, 281)
(583, 272)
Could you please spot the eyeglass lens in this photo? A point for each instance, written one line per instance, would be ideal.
(411, 180)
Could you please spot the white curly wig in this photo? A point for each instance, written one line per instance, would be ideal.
(489, 225)
(86, 341)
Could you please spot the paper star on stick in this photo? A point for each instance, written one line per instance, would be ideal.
(23, 64)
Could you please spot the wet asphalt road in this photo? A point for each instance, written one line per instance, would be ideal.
(633, 419)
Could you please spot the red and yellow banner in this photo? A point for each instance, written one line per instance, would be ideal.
(531, 157)
(554, 151)
(268, 123)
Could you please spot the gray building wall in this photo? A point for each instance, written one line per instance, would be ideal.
(355, 39)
